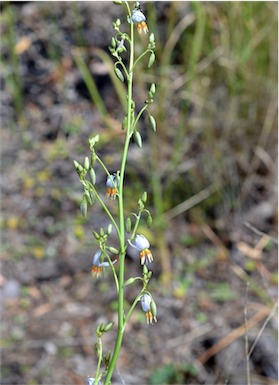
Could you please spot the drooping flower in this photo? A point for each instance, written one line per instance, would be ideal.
(149, 307)
(97, 268)
(141, 244)
(91, 380)
(139, 19)
(112, 186)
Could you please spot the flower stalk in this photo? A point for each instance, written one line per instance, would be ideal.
(120, 44)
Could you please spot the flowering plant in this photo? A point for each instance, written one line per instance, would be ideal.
(125, 227)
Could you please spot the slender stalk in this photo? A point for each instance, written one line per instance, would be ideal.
(121, 277)
(100, 348)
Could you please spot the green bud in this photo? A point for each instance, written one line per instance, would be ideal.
(113, 250)
(102, 232)
(93, 158)
(124, 123)
(145, 270)
(144, 197)
(149, 275)
(92, 196)
(152, 38)
(99, 334)
(109, 230)
(93, 141)
(92, 175)
(140, 204)
(83, 208)
(113, 42)
(76, 164)
(128, 225)
(153, 309)
(151, 59)
(108, 326)
(129, 281)
(86, 163)
(96, 235)
(107, 358)
(118, 2)
(119, 74)
(118, 22)
(138, 139)
(88, 197)
(150, 95)
(152, 121)
(152, 88)
(149, 221)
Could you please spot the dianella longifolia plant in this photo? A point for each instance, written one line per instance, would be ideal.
(111, 256)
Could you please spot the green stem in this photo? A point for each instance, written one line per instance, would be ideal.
(133, 306)
(113, 272)
(139, 115)
(100, 356)
(121, 277)
(105, 208)
(141, 56)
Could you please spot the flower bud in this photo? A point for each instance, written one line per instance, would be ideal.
(151, 59)
(119, 74)
(129, 281)
(108, 326)
(140, 204)
(93, 141)
(152, 121)
(152, 88)
(86, 163)
(96, 235)
(128, 225)
(83, 207)
(138, 139)
(152, 38)
(92, 175)
(145, 270)
(88, 197)
(153, 308)
(113, 42)
(144, 197)
(113, 250)
(124, 123)
(149, 221)
(109, 230)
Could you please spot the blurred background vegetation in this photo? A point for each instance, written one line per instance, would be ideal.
(210, 170)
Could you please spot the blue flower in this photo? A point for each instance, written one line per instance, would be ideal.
(112, 185)
(91, 380)
(97, 268)
(142, 245)
(139, 19)
(149, 307)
